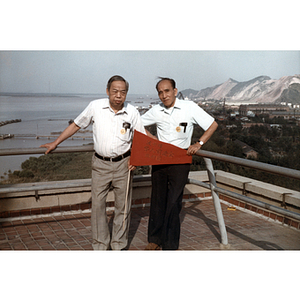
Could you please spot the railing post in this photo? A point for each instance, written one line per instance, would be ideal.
(216, 199)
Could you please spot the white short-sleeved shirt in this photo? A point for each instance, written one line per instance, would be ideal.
(111, 139)
(169, 121)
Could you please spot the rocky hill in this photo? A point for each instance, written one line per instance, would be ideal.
(261, 89)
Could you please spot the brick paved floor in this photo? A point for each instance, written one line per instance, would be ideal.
(72, 231)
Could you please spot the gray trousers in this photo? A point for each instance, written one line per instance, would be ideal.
(107, 175)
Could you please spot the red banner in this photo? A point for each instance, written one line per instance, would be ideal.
(147, 151)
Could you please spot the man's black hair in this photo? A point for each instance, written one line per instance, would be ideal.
(117, 78)
(173, 83)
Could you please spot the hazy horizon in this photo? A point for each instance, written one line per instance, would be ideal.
(87, 72)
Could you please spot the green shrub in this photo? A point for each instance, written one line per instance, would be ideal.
(26, 174)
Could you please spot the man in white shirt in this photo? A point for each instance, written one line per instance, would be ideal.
(114, 122)
(174, 121)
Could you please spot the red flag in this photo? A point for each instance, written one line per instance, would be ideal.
(147, 151)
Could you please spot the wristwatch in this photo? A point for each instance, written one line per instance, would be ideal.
(201, 143)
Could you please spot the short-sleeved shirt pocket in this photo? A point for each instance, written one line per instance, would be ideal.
(182, 129)
(124, 132)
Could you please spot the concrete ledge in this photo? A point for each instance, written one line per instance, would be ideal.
(42, 195)
(259, 190)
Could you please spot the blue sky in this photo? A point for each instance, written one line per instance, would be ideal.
(88, 71)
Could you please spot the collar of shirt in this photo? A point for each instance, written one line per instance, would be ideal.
(169, 111)
(107, 106)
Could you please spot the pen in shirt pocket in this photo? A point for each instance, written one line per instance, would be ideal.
(126, 126)
(184, 124)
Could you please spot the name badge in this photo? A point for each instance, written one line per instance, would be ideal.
(126, 126)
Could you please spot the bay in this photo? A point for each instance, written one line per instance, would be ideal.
(46, 116)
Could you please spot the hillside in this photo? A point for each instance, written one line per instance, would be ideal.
(261, 89)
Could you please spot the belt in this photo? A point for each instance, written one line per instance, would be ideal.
(114, 159)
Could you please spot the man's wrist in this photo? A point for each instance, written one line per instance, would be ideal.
(201, 143)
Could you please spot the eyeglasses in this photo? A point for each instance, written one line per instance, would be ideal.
(122, 93)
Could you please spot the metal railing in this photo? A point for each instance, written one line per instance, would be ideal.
(207, 156)
(211, 155)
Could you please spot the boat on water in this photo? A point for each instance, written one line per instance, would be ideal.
(6, 136)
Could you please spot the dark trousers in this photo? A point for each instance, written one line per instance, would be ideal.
(168, 183)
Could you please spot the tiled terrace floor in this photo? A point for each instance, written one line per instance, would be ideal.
(72, 231)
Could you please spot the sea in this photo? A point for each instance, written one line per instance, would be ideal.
(45, 116)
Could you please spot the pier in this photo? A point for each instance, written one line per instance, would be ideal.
(2, 123)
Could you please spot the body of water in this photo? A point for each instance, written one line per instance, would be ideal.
(46, 116)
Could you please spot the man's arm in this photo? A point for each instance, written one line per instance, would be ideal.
(151, 135)
(69, 131)
(204, 138)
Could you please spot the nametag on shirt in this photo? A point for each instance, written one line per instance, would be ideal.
(126, 126)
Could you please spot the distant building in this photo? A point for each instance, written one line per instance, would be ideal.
(250, 113)
(288, 115)
(275, 126)
(244, 119)
(248, 125)
(231, 126)
(261, 109)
